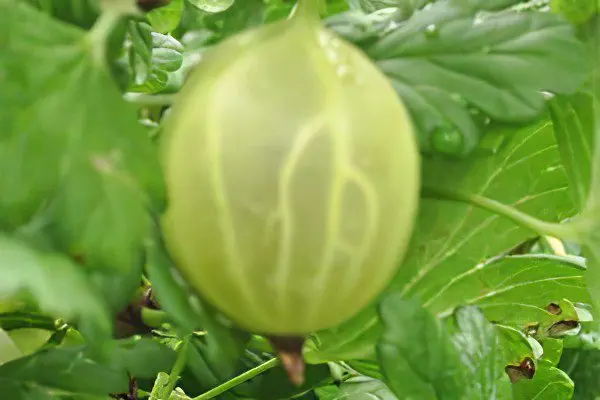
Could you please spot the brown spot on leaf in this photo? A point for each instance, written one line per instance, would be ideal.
(561, 327)
(532, 328)
(79, 259)
(525, 370)
(289, 351)
(554, 308)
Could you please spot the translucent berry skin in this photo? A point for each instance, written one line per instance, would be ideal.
(293, 179)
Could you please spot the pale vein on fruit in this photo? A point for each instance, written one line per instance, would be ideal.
(235, 264)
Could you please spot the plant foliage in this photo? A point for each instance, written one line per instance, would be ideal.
(497, 299)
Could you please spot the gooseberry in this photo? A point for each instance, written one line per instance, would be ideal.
(292, 175)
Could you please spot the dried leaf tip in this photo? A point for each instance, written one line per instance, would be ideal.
(289, 351)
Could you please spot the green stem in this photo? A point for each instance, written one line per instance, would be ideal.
(97, 36)
(562, 231)
(238, 379)
(15, 320)
(179, 365)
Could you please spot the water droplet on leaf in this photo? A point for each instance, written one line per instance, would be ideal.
(432, 31)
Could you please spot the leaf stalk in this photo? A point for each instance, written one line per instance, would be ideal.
(273, 362)
(178, 366)
(563, 231)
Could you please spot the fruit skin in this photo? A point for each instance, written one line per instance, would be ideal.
(292, 176)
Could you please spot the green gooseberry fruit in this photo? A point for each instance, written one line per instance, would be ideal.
(293, 177)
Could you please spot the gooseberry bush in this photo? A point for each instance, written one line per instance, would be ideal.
(312, 199)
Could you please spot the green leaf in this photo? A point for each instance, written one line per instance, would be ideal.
(153, 58)
(67, 370)
(142, 358)
(576, 11)
(583, 367)
(416, 354)
(458, 243)
(586, 227)
(330, 392)
(155, 82)
(548, 383)
(516, 290)
(159, 390)
(358, 388)
(86, 155)
(119, 288)
(79, 12)
(168, 286)
(238, 17)
(140, 50)
(370, 6)
(368, 368)
(590, 34)
(166, 19)
(19, 391)
(58, 285)
(212, 6)
(166, 42)
(363, 29)
(553, 350)
(213, 358)
(353, 339)
(573, 121)
(334, 6)
(71, 370)
(30, 340)
(8, 349)
(448, 60)
(480, 349)
(167, 59)
(519, 168)
(515, 344)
